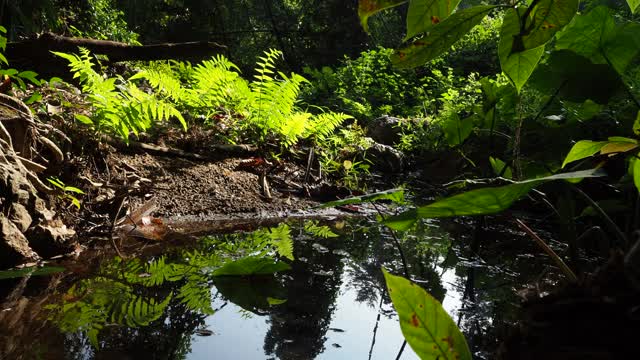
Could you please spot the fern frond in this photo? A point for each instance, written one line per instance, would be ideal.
(323, 125)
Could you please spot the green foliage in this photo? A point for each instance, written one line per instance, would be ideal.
(426, 326)
(102, 20)
(321, 231)
(18, 76)
(67, 191)
(119, 106)
(251, 265)
(393, 195)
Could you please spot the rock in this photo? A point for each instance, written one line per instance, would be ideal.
(385, 130)
(19, 215)
(50, 241)
(385, 158)
(14, 246)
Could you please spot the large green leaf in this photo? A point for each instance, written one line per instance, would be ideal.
(456, 130)
(635, 167)
(517, 66)
(634, 5)
(426, 326)
(440, 37)
(367, 8)
(543, 21)
(251, 265)
(423, 14)
(483, 201)
(583, 149)
(636, 125)
(596, 37)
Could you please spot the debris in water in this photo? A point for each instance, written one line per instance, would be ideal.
(319, 248)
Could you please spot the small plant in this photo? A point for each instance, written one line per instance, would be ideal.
(9, 76)
(67, 191)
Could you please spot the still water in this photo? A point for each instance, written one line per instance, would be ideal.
(329, 302)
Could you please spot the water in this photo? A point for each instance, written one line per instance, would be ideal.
(330, 304)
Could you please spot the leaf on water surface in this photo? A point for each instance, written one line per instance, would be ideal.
(394, 195)
(483, 201)
(426, 326)
(251, 265)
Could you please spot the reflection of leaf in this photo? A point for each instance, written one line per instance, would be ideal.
(280, 239)
(196, 295)
(395, 195)
(425, 325)
(134, 310)
(252, 294)
(251, 265)
(483, 201)
(274, 301)
(322, 231)
(30, 271)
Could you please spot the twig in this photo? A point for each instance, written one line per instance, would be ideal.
(559, 262)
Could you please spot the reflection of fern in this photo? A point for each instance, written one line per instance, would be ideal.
(134, 310)
(196, 295)
(316, 230)
(117, 108)
(280, 239)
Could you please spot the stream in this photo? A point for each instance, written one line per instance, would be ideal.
(193, 301)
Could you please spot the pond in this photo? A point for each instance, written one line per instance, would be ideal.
(298, 290)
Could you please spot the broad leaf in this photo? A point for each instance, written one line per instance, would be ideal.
(545, 19)
(636, 125)
(614, 147)
(483, 201)
(634, 5)
(583, 149)
(367, 8)
(440, 37)
(394, 195)
(520, 65)
(456, 130)
(500, 168)
(251, 265)
(426, 326)
(596, 37)
(423, 14)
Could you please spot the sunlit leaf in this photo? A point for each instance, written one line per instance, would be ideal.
(520, 65)
(31, 76)
(545, 19)
(636, 125)
(426, 326)
(274, 301)
(485, 201)
(394, 195)
(84, 119)
(634, 5)
(425, 13)
(636, 173)
(618, 147)
(251, 265)
(367, 8)
(583, 149)
(440, 37)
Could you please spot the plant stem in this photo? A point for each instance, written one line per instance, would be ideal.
(559, 262)
(397, 243)
(612, 225)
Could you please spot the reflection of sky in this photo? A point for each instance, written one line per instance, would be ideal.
(238, 337)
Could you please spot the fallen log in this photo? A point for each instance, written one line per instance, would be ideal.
(35, 53)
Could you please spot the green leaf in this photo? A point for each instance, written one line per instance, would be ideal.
(367, 8)
(520, 65)
(84, 119)
(583, 149)
(636, 173)
(440, 37)
(636, 125)
(426, 326)
(456, 130)
(545, 19)
(483, 201)
(500, 168)
(251, 265)
(394, 195)
(596, 37)
(4, 59)
(634, 5)
(31, 76)
(424, 14)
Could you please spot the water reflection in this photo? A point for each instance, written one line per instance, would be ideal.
(295, 291)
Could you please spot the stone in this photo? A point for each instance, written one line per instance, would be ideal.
(385, 130)
(49, 241)
(385, 158)
(19, 215)
(14, 246)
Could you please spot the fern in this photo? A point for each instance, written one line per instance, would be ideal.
(324, 125)
(316, 230)
(120, 108)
